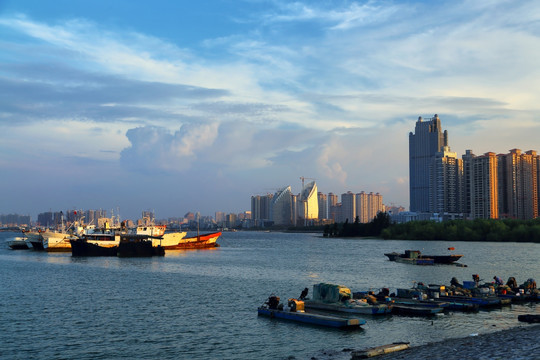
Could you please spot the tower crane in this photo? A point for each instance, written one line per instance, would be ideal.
(303, 178)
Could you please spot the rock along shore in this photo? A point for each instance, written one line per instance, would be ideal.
(522, 342)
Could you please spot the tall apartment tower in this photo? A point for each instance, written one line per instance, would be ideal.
(375, 205)
(484, 187)
(518, 174)
(348, 206)
(332, 203)
(362, 207)
(424, 143)
(323, 206)
(445, 184)
(467, 160)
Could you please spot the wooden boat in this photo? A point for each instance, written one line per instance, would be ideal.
(415, 310)
(295, 312)
(416, 257)
(197, 242)
(379, 350)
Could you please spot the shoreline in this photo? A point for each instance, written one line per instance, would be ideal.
(520, 342)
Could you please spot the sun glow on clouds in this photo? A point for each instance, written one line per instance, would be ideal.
(328, 89)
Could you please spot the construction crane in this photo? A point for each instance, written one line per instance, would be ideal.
(302, 178)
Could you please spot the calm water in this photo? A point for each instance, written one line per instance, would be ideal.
(203, 304)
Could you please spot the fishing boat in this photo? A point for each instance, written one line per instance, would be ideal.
(338, 298)
(115, 244)
(96, 243)
(416, 257)
(196, 242)
(295, 312)
(138, 246)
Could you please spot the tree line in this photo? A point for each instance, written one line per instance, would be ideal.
(505, 230)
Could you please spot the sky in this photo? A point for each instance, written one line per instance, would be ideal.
(177, 106)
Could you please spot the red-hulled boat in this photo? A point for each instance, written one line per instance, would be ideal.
(197, 242)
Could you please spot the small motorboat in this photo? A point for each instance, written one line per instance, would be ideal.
(294, 311)
(18, 243)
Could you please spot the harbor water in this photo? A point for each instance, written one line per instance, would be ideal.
(202, 304)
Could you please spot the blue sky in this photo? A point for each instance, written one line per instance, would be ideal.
(180, 106)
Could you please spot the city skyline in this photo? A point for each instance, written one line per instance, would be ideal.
(195, 107)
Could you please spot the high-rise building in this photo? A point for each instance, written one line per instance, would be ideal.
(348, 206)
(375, 205)
(308, 207)
(424, 143)
(332, 202)
(260, 208)
(323, 206)
(483, 187)
(518, 191)
(467, 159)
(445, 182)
(281, 208)
(362, 207)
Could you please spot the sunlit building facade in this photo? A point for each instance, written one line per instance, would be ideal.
(282, 208)
(518, 174)
(308, 206)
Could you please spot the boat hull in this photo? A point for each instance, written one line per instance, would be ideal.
(57, 242)
(197, 242)
(169, 240)
(81, 247)
(354, 309)
(419, 259)
(415, 310)
(18, 243)
(310, 318)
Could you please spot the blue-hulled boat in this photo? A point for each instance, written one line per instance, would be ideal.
(295, 312)
(482, 302)
(415, 310)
